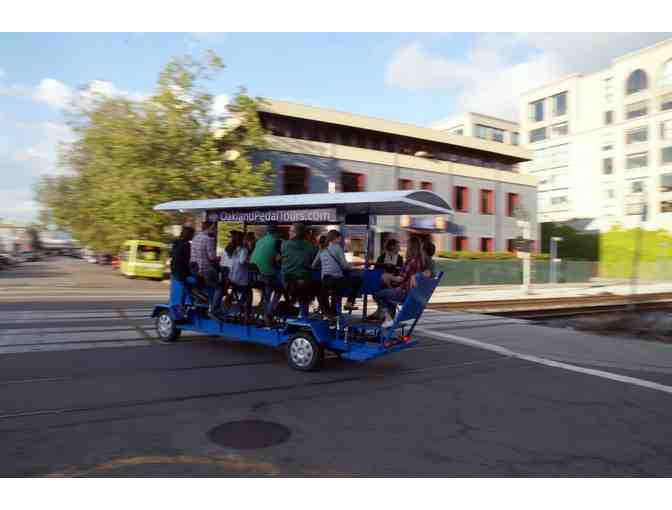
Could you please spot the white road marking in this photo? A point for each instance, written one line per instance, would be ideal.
(543, 361)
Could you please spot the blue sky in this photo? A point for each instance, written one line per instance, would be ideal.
(415, 78)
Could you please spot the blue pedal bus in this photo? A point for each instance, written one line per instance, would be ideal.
(305, 338)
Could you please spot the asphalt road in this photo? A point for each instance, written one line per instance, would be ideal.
(86, 390)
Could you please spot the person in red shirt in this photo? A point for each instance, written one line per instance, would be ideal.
(388, 298)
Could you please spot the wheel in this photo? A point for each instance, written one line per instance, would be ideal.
(303, 352)
(165, 327)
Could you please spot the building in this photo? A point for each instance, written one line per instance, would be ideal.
(602, 142)
(317, 150)
(481, 126)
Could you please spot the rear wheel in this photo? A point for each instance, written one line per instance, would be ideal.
(303, 352)
(165, 327)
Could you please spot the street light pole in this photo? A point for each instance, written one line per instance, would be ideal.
(554, 253)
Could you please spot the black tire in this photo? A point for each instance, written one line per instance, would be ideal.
(304, 353)
(165, 327)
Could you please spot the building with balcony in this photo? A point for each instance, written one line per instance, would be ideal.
(602, 142)
(317, 150)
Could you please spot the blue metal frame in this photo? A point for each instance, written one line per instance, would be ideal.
(331, 336)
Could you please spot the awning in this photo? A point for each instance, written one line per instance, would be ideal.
(380, 203)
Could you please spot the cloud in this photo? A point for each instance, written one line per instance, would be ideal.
(492, 73)
(53, 93)
(59, 96)
(2, 73)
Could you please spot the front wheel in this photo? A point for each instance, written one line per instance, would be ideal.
(304, 353)
(165, 327)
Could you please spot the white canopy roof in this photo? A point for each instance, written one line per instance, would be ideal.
(382, 203)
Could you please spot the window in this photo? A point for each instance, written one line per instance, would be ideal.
(608, 90)
(666, 155)
(405, 184)
(487, 201)
(352, 182)
(608, 142)
(489, 133)
(427, 186)
(296, 179)
(497, 135)
(638, 160)
(636, 82)
(514, 138)
(666, 75)
(487, 244)
(537, 135)
(460, 243)
(637, 187)
(537, 111)
(510, 245)
(558, 200)
(512, 201)
(637, 135)
(666, 102)
(607, 166)
(560, 129)
(608, 117)
(609, 194)
(560, 104)
(458, 131)
(634, 110)
(461, 198)
(666, 130)
(666, 187)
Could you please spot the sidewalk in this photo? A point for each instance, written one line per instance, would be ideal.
(506, 292)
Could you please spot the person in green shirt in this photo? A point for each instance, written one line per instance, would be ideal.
(296, 265)
(266, 257)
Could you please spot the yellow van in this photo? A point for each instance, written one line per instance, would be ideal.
(146, 259)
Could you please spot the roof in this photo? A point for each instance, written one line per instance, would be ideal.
(382, 203)
(387, 126)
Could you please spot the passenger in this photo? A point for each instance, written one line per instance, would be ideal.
(250, 241)
(225, 263)
(390, 258)
(296, 265)
(428, 251)
(337, 272)
(180, 255)
(266, 256)
(180, 258)
(387, 299)
(204, 253)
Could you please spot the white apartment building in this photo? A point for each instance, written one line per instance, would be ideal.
(481, 126)
(602, 142)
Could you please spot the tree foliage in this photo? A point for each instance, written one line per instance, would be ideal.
(130, 155)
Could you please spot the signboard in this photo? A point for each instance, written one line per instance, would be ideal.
(280, 216)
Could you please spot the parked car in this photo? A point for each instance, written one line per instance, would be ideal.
(115, 262)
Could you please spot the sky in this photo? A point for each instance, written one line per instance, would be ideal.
(417, 78)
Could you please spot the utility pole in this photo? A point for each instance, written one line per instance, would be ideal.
(554, 260)
(643, 211)
(524, 251)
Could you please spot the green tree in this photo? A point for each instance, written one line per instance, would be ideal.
(131, 155)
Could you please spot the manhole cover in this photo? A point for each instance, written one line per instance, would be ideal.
(249, 434)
